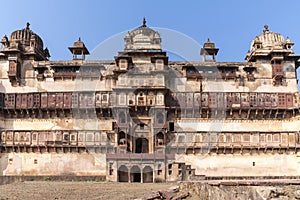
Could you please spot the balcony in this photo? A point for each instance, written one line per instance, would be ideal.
(40, 77)
(277, 70)
(64, 75)
(140, 156)
(193, 74)
(89, 74)
(228, 75)
(250, 77)
(11, 73)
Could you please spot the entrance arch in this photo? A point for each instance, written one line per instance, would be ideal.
(147, 174)
(123, 174)
(135, 174)
(141, 145)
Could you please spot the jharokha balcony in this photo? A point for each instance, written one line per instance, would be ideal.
(76, 74)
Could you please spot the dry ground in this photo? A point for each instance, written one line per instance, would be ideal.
(78, 190)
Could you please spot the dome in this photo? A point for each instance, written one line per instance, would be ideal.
(142, 38)
(27, 38)
(268, 40)
(268, 43)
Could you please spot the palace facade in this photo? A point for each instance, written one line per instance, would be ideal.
(142, 118)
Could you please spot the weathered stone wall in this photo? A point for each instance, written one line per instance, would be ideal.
(53, 164)
(12, 179)
(243, 165)
(239, 125)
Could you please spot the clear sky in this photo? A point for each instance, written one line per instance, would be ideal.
(231, 24)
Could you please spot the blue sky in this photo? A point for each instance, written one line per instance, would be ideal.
(231, 24)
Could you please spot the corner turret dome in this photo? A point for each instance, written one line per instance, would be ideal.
(26, 38)
(269, 39)
(27, 43)
(268, 42)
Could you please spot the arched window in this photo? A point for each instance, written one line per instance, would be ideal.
(141, 99)
(159, 64)
(160, 118)
(123, 64)
(160, 139)
(122, 99)
(121, 138)
(123, 174)
(122, 117)
(131, 99)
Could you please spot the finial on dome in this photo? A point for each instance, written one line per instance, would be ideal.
(208, 40)
(79, 39)
(27, 25)
(144, 22)
(266, 28)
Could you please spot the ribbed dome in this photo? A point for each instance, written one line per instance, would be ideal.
(267, 43)
(142, 38)
(26, 38)
(268, 40)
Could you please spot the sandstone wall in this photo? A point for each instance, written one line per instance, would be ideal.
(52, 164)
(243, 165)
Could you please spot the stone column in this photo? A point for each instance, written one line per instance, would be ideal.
(153, 173)
(129, 177)
(142, 175)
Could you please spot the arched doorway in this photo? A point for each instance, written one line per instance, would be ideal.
(121, 138)
(123, 174)
(135, 174)
(160, 139)
(122, 117)
(160, 118)
(147, 175)
(141, 145)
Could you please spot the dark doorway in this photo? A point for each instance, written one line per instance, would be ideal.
(147, 175)
(142, 145)
(135, 174)
(123, 174)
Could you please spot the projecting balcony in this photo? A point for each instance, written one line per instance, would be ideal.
(11, 73)
(40, 77)
(231, 75)
(64, 75)
(250, 77)
(193, 74)
(89, 74)
(140, 156)
(277, 76)
(277, 70)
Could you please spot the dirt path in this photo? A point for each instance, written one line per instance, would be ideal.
(78, 190)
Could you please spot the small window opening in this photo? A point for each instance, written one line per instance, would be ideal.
(111, 169)
(142, 126)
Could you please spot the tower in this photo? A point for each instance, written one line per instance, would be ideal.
(79, 50)
(209, 51)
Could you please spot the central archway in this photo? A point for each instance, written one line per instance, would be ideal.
(141, 145)
(135, 174)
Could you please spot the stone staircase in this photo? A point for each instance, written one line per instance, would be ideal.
(185, 172)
